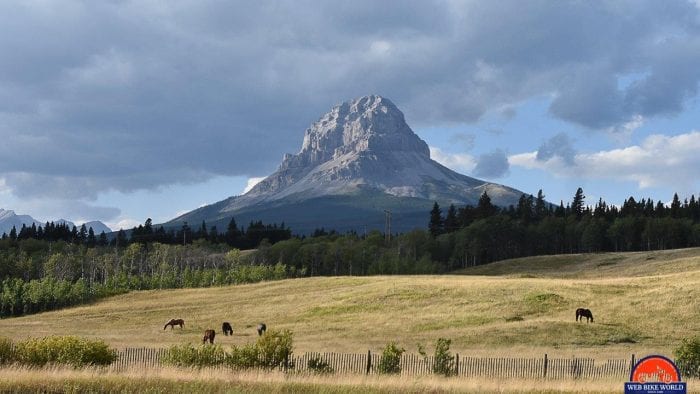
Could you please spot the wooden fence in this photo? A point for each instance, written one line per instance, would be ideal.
(501, 367)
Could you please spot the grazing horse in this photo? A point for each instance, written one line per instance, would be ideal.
(582, 312)
(226, 328)
(261, 328)
(174, 322)
(209, 336)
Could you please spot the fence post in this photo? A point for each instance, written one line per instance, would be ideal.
(369, 361)
(286, 362)
(632, 363)
(457, 364)
(545, 365)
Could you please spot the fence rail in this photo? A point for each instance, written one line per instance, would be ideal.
(501, 367)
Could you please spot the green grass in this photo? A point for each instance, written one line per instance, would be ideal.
(520, 307)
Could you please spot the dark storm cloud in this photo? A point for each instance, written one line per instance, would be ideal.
(129, 95)
(492, 165)
(559, 145)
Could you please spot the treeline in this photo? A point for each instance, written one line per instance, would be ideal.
(146, 233)
(473, 235)
(484, 233)
(41, 275)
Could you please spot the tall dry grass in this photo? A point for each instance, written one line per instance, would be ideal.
(174, 380)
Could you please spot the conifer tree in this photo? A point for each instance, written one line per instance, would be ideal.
(577, 206)
(451, 219)
(436, 224)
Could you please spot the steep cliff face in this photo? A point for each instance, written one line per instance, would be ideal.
(361, 147)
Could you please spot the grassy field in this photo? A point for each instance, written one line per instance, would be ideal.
(214, 381)
(642, 302)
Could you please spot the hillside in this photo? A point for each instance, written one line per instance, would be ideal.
(641, 303)
(594, 265)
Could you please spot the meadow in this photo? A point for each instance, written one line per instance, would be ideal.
(643, 303)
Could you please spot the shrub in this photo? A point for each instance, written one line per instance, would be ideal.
(319, 365)
(271, 350)
(390, 362)
(243, 357)
(274, 348)
(444, 361)
(188, 355)
(688, 357)
(69, 350)
(7, 354)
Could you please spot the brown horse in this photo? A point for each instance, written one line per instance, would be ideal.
(209, 336)
(582, 312)
(174, 322)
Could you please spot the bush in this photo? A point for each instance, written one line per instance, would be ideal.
(319, 365)
(243, 357)
(274, 348)
(188, 355)
(271, 350)
(69, 350)
(7, 354)
(444, 361)
(390, 362)
(688, 357)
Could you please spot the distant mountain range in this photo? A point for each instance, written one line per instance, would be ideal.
(9, 218)
(356, 162)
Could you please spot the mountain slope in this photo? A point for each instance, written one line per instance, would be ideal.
(356, 161)
(9, 219)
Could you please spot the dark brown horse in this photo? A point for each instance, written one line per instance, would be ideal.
(226, 328)
(209, 336)
(261, 328)
(582, 312)
(174, 322)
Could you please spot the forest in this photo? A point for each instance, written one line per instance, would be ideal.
(52, 266)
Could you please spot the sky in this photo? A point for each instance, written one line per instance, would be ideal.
(125, 110)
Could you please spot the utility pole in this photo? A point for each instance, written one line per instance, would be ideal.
(387, 225)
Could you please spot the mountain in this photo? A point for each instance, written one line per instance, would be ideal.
(98, 227)
(9, 218)
(356, 161)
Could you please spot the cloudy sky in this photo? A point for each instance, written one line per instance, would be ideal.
(122, 110)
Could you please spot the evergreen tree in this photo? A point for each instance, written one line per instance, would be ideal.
(102, 240)
(540, 206)
(577, 206)
(484, 208)
(451, 224)
(524, 211)
(233, 234)
(82, 234)
(675, 206)
(91, 240)
(436, 224)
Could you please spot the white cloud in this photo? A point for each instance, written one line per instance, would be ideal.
(659, 161)
(460, 162)
(624, 131)
(251, 183)
(123, 223)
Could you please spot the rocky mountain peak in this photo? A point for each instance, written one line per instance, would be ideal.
(369, 123)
